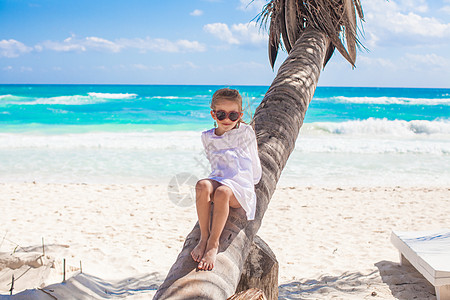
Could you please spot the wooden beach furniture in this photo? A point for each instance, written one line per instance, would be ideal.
(429, 253)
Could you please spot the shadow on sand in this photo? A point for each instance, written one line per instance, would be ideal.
(404, 281)
(85, 286)
(347, 283)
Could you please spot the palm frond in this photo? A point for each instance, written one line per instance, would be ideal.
(292, 23)
(336, 18)
(274, 42)
(358, 7)
(350, 29)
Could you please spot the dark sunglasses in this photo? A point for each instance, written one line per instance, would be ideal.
(222, 115)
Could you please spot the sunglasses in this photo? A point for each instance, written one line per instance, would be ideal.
(222, 115)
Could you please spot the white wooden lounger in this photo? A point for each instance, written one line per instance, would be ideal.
(429, 253)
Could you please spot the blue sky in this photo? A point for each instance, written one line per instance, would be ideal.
(207, 42)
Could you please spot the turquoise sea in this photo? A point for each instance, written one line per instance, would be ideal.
(147, 134)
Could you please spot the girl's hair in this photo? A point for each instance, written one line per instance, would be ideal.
(227, 94)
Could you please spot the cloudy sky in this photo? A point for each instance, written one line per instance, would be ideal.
(207, 42)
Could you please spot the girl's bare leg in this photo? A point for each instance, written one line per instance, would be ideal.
(204, 190)
(223, 199)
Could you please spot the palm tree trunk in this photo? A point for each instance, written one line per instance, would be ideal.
(277, 123)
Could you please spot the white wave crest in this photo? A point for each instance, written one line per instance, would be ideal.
(66, 100)
(380, 127)
(113, 96)
(5, 96)
(168, 97)
(347, 145)
(91, 98)
(310, 140)
(148, 141)
(387, 100)
(60, 100)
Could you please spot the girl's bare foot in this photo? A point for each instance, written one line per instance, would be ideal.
(199, 250)
(209, 258)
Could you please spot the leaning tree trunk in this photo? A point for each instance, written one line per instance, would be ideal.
(277, 123)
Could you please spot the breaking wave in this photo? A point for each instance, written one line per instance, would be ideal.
(387, 100)
(380, 127)
(91, 98)
(113, 96)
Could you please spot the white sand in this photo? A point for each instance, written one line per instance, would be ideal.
(330, 242)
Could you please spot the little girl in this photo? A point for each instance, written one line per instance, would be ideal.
(231, 149)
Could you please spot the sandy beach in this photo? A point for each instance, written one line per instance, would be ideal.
(331, 242)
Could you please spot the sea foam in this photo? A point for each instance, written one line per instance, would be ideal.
(380, 127)
(348, 137)
(113, 96)
(91, 98)
(387, 100)
(159, 141)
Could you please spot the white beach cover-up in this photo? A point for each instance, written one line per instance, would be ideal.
(235, 163)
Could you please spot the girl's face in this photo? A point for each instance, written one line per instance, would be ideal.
(228, 107)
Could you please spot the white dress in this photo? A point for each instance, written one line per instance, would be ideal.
(235, 163)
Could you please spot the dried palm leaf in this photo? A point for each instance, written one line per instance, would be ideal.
(273, 13)
(336, 18)
(283, 26)
(358, 7)
(330, 51)
(274, 42)
(350, 29)
(292, 23)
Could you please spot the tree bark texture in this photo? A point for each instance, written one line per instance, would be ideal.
(277, 121)
(250, 294)
(260, 270)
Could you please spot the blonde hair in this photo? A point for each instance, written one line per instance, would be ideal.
(227, 94)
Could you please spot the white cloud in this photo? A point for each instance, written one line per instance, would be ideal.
(80, 44)
(415, 62)
(8, 68)
(57, 46)
(26, 69)
(12, 48)
(413, 5)
(131, 67)
(239, 34)
(255, 5)
(446, 9)
(249, 33)
(402, 23)
(102, 44)
(190, 46)
(427, 61)
(140, 67)
(376, 62)
(413, 24)
(372, 40)
(192, 65)
(99, 44)
(221, 31)
(162, 45)
(185, 65)
(196, 13)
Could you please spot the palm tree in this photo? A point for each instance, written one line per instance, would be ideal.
(310, 30)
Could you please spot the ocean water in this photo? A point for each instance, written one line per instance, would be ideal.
(150, 134)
